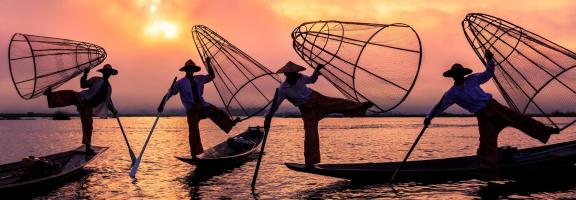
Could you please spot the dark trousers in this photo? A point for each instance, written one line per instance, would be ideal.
(199, 112)
(68, 98)
(315, 109)
(495, 117)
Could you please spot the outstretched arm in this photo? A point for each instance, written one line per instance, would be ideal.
(278, 98)
(211, 74)
(489, 72)
(175, 89)
(315, 74)
(84, 79)
(442, 105)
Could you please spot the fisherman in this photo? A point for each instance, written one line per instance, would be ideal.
(313, 106)
(191, 89)
(93, 101)
(492, 116)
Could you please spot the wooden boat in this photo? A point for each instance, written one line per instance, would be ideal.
(233, 151)
(531, 163)
(65, 165)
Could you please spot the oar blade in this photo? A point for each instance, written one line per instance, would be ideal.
(134, 169)
(257, 169)
(136, 164)
(407, 155)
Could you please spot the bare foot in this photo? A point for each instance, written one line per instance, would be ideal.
(48, 91)
(235, 121)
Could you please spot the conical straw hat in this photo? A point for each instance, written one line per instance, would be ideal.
(290, 67)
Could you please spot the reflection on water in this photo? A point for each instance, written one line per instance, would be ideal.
(342, 140)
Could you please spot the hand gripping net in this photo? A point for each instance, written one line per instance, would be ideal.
(534, 75)
(245, 86)
(366, 62)
(38, 62)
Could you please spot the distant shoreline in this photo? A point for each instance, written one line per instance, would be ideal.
(16, 116)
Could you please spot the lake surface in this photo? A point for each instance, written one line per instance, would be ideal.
(343, 140)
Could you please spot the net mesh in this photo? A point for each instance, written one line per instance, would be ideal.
(38, 62)
(365, 62)
(245, 86)
(534, 75)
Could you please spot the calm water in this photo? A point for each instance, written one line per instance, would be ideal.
(161, 176)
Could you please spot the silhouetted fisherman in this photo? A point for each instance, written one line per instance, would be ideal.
(93, 101)
(191, 90)
(492, 116)
(313, 106)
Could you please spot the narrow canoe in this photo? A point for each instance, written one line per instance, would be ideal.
(537, 162)
(68, 163)
(233, 151)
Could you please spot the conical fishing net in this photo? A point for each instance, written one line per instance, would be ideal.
(245, 86)
(534, 75)
(366, 62)
(38, 62)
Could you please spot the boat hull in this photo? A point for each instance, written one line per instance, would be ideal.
(532, 163)
(71, 162)
(231, 152)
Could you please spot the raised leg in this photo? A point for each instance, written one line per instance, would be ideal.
(219, 117)
(328, 105)
(526, 124)
(63, 98)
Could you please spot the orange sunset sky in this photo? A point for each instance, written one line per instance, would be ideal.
(149, 40)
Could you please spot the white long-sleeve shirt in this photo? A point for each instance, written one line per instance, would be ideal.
(94, 84)
(184, 88)
(471, 97)
(298, 94)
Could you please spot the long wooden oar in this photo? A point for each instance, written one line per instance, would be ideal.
(266, 130)
(134, 168)
(408, 154)
(253, 185)
(132, 156)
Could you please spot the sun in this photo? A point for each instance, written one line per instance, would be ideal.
(159, 27)
(165, 29)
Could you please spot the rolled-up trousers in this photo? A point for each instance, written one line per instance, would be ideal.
(314, 110)
(495, 117)
(71, 98)
(199, 112)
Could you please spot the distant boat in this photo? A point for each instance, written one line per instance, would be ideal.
(234, 151)
(10, 118)
(59, 115)
(68, 163)
(532, 163)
